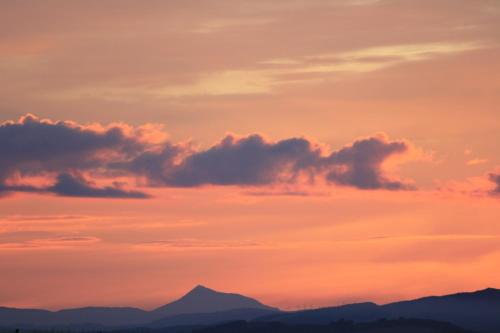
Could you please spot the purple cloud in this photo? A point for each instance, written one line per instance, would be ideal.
(66, 150)
(495, 178)
(253, 161)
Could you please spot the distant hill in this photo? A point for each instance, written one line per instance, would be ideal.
(85, 317)
(210, 306)
(479, 310)
(358, 312)
(203, 319)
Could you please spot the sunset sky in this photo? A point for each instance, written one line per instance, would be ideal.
(302, 152)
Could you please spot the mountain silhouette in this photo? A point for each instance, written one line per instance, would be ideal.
(204, 300)
(199, 301)
(358, 312)
(479, 311)
(88, 316)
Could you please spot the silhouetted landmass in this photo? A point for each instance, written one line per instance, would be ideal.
(341, 326)
(88, 317)
(202, 300)
(359, 312)
(211, 318)
(201, 307)
(478, 310)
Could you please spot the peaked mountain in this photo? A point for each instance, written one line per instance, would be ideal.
(200, 305)
(204, 300)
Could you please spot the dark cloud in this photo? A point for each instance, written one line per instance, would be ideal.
(75, 186)
(72, 186)
(32, 147)
(246, 161)
(6, 189)
(67, 151)
(152, 165)
(254, 161)
(361, 164)
(495, 178)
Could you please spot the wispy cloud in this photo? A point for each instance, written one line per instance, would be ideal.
(273, 73)
(50, 243)
(199, 244)
(268, 75)
(480, 186)
(221, 24)
(439, 248)
(477, 161)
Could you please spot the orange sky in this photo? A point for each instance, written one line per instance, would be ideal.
(360, 159)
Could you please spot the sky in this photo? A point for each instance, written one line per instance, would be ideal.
(303, 152)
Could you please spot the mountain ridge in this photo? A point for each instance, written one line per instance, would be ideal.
(199, 300)
(476, 310)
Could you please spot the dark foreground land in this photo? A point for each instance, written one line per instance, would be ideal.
(203, 310)
(341, 326)
(381, 326)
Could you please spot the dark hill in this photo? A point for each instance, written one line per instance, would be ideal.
(479, 310)
(204, 300)
(200, 305)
